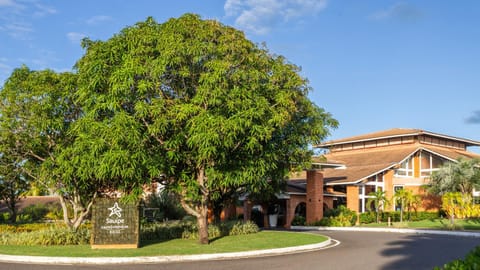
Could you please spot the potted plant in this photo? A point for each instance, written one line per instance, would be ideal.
(273, 211)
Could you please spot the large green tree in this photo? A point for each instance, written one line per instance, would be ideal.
(210, 110)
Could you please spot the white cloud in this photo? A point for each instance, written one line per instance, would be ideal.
(7, 3)
(18, 30)
(43, 10)
(98, 19)
(259, 16)
(17, 18)
(75, 37)
(400, 11)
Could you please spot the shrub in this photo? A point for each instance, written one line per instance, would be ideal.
(192, 232)
(54, 235)
(35, 212)
(28, 227)
(162, 231)
(243, 228)
(298, 221)
(471, 261)
(368, 217)
(417, 216)
(339, 217)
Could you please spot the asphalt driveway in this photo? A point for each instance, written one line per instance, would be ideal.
(357, 250)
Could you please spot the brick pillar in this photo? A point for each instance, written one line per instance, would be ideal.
(314, 196)
(352, 198)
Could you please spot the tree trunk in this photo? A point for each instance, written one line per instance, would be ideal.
(202, 228)
(79, 211)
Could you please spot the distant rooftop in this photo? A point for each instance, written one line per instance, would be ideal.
(394, 133)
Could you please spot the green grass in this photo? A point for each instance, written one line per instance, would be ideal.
(261, 240)
(436, 224)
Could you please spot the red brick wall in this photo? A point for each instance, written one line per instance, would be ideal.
(314, 196)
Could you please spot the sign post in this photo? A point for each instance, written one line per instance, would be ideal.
(115, 224)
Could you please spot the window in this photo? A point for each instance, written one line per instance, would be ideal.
(405, 169)
(429, 163)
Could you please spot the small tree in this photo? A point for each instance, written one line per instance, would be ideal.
(405, 199)
(379, 201)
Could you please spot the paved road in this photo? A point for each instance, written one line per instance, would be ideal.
(358, 250)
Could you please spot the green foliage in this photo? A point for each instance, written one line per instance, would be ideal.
(298, 221)
(199, 103)
(163, 231)
(379, 200)
(367, 217)
(168, 205)
(460, 176)
(339, 217)
(190, 102)
(27, 227)
(192, 232)
(187, 229)
(470, 262)
(53, 235)
(370, 217)
(243, 228)
(406, 200)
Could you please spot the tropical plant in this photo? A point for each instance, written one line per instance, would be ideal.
(405, 199)
(460, 176)
(379, 201)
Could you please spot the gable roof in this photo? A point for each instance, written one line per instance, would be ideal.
(394, 133)
(362, 164)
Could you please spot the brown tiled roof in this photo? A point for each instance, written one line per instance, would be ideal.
(395, 132)
(361, 164)
(452, 154)
(364, 163)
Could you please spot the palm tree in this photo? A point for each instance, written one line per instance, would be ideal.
(405, 198)
(379, 200)
(460, 176)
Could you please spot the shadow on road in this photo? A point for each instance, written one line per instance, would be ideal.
(426, 252)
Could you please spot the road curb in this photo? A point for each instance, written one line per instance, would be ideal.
(163, 259)
(393, 230)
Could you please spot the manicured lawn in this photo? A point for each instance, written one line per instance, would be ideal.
(261, 240)
(437, 224)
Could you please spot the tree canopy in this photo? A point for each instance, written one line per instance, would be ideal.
(214, 110)
(191, 103)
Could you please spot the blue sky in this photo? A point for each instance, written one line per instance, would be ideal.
(373, 64)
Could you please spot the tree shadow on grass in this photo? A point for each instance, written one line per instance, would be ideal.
(149, 242)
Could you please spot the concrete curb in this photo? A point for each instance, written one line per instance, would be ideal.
(165, 259)
(393, 230)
